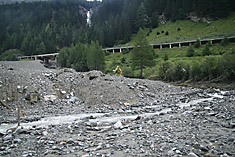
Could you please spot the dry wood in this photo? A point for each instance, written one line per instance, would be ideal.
(4, 104)
(18, 106)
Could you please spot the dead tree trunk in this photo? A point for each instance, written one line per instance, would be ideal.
(18, 106)
(4, 104)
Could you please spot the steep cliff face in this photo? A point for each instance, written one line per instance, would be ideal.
(82, 10)
(86, 13)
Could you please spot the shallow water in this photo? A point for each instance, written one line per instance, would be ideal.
(101, 117)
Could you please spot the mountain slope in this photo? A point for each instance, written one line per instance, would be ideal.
(185, 30)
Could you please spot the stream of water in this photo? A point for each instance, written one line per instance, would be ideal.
(101, 117)
(89, 18)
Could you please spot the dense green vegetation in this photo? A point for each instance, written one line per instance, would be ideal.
(82, 57)
(175, 64)
(10, 55)
(43, 27)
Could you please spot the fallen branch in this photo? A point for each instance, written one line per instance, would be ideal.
(18, 106)
(4, 104)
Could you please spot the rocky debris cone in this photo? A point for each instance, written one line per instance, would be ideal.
(64, 112)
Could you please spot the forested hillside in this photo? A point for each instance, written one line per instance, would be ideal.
(48, 26)
(117, 20)
(43, 27)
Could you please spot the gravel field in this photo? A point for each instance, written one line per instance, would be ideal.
(68, 113)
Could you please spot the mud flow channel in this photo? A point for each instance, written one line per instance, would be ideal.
(102, 118)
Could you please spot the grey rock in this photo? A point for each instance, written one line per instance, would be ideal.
(171, 152)
(191, 154)
(17, 140)
(51, 142)
(8, 137)
(25, 154)
(118, 125)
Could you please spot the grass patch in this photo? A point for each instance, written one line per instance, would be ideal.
(185, 30)
(26, 59)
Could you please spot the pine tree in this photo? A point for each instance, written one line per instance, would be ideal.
(142, 19)
(41, 48)
(190, 51)
(95, 57)
(197, 44)
(63, 57)
(143, 54)
(154, 21)
(206, 50)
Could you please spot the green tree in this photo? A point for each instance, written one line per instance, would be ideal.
(63, 57)
(197, 44)
(154, 21)
(206, 50)
(41, 48)
(95, 57)
(225, 41)
(209, 68)
(143, 54)
(24, 45)
(195, 71)
(142, 19)
(10, 55)
(80, 62)
(190, 51)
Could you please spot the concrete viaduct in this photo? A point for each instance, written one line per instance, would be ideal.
(171, 45)
(46, 58)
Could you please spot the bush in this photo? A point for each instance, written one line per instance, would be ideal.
(179, 72)
(184, 70)
(125, 51)
(164, 67)
(123, 60)
(195, 71)
(209, 68)
(170, 72)
(10, 55)
(127, 71)
(149, 72)
(226, 67)
(225, 41)
(190, 51)
(174, 71)
(165, 57)
(206, 50)
(167, 33)
(197, 44)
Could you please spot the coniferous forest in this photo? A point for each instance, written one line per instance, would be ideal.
(47, 26)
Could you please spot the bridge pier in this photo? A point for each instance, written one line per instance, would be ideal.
(46, 60)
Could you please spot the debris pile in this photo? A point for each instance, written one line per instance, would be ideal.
(64, 112)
